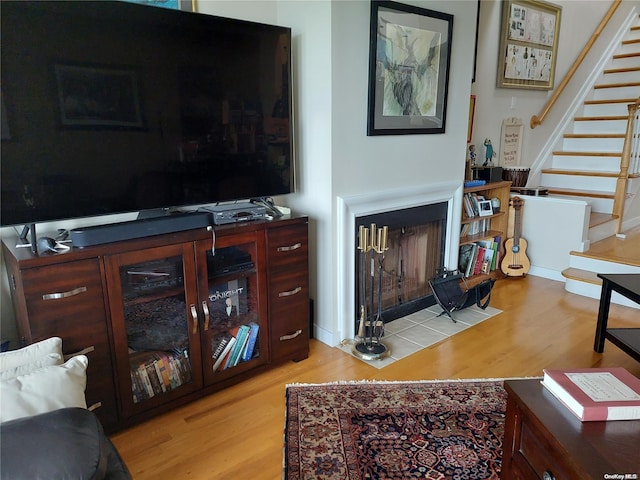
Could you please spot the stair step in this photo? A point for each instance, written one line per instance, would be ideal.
(621, 263)
(596, 219)
(587, 154)
(616, 85)
(579, 193)
(612, 100)
(588, 142)
(582, 275)
(602, 118)
(607, 107)
(585, 162)
(583, 173)
(621, 70)
(594, 135)
(600, 124)
(632, 41)
(626, 55)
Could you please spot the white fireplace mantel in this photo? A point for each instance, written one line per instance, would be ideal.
(351, 207)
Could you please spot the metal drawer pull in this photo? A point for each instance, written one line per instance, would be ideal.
(194, 318)
(548, 476)
(205, 309)
(94, 406)
(291, 336)
(70, 293)
(290, 292)
(289, 248)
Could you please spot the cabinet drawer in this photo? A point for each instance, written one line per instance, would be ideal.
(536, 452)
(289, 315)
(65, 297)
(290, 339)
(66, 300)
(288, 246)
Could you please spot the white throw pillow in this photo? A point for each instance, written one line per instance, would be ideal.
(44, 390)
(46, 361)
(30, 353)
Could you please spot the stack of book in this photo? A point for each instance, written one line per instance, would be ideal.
(479, 257)
(157, 372)
(596, 394)
(235, 346)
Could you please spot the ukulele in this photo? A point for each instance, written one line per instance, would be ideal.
(515, 262)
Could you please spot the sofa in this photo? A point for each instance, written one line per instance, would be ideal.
(46, 430)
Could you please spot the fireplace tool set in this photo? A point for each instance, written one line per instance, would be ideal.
(372, 243)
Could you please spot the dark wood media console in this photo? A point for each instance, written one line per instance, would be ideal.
(154, 314)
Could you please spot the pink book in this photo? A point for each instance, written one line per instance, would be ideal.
(596, 394)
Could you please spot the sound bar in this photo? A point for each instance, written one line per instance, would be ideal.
(115, 232)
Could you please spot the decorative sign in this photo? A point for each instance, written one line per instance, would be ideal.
(511, 142)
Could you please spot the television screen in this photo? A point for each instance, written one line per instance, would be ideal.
(112, 107)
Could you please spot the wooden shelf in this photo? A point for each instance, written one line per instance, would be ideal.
(499, 223)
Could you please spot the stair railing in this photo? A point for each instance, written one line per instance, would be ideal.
(629, 162)
(538, 119)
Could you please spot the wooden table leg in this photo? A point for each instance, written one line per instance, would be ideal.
(603, 315)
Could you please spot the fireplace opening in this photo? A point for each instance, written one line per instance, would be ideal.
(416, 239)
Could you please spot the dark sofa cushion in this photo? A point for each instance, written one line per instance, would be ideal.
(63, 444)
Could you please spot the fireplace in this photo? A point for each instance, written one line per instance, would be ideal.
(435, 227)
(416, 243)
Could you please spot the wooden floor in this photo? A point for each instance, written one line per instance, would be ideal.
(238, 433)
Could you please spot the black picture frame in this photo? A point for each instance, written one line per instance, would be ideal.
(409, 60)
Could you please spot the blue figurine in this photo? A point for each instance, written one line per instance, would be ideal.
(489, 153)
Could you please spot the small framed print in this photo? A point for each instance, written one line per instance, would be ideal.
(484, 207)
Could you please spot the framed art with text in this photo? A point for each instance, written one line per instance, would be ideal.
(528, 44)
(409, 58)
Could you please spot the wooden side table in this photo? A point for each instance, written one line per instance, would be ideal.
(544, 441)
(627, 339)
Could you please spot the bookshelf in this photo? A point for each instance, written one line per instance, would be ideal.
(483, 231)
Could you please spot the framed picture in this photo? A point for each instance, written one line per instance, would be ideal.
(528, 44)
(187, 5)
(98, 97)
(409, 57)
(472, 111)
(484, 208)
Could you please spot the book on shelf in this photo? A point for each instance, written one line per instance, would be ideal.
(224, 354)
(464, 257)
(236, 352)
(247, 354)
(218, 344)
(596, 394)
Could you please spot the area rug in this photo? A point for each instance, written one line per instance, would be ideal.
(395, 430)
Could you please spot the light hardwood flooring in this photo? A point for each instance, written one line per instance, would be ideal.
(237, 433)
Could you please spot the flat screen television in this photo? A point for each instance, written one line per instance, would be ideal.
(112, 106)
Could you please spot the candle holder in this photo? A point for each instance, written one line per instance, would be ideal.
(372, 243)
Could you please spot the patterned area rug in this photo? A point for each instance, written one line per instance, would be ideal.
(392, 430)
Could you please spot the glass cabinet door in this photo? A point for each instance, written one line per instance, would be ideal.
(155, 325)
(234, 333)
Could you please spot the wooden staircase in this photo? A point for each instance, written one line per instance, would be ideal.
(587, 166)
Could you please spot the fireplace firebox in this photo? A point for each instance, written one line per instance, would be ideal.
(416, 245)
